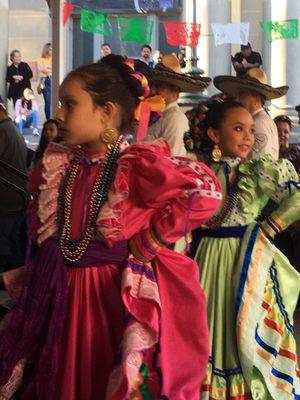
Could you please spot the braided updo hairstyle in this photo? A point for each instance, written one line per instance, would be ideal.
(209, 114)
(111, 80)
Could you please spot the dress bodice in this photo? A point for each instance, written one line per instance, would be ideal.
(253, 183)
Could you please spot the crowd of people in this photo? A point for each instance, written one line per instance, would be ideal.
(104, 307)
(18, 77)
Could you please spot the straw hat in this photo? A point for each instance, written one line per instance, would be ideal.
(255, 80)
(28, 94)
(168, 72)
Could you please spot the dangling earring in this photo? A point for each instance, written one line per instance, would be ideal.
(216, 153)
(109, 136)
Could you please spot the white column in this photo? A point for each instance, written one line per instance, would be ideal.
(266, 56)
(235, 18)
(58, 45)
(188, 16)
(203, 46)
(292, 58)
(4, 17)
(215, 60)
(278, 52)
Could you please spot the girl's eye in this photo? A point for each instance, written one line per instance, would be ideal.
(239, 128)
(252, 131)
(69, 104)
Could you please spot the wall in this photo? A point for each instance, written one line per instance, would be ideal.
(3, 45)
(29, 30)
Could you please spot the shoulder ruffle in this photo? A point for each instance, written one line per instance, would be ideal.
(249, 180)
(110, 217)
(54, 166)
(271, 176)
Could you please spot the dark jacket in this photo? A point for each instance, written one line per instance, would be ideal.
(15, 90)
(293, 155)
(13, 152)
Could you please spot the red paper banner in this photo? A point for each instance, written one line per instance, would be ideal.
(182, 33)
(67, 11)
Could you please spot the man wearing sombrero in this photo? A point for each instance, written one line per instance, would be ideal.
(168, 81)
(252, 91)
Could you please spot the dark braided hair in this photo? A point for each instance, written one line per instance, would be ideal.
(209, 114)
(111, 80)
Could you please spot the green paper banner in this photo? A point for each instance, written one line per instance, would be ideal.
(95, 22)
(137, 30)
(278, 30)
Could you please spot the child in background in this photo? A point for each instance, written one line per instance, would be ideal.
(250, 286)
(49, 134)
(26, 112)
(98, 317)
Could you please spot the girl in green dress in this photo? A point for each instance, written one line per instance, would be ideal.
(251, 287)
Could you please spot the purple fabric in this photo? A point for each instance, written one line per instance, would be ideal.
(36, 324)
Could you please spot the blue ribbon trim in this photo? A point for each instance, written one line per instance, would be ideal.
(224, 372)
(275, 371)
(273, 274)
(296, 396)
(265, 346)
(223, 232)
(283, 376)
(142, 269)
(275, 229)
(290, 184)
(245, 269)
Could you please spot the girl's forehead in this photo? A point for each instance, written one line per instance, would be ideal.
(70, 85)
(50, 125)
(238, 113)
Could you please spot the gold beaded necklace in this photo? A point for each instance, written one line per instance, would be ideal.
(74, 249)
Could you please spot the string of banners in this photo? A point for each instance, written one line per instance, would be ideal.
(139, 30)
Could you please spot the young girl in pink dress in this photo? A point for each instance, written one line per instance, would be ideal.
(108, 312)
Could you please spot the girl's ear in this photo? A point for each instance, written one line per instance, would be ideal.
(110, 113)
(214, 135)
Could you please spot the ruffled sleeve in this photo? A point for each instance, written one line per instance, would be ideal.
(35, 180)
(44, 186)
(155, 200)
(171, 195)
(280, 182)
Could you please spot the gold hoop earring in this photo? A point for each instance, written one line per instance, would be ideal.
(216, 153)
(109, 136)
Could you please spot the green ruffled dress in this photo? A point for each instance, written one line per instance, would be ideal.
(251, 288)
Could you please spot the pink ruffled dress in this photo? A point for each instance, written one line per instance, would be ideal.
(131, 330)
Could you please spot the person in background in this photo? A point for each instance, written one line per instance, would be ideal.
(102, 282)
(26, 112)
(245, 60)
(251, 288)
(168, 81)
(105, 50)
(288, 240)
(157, 57)
(45, 69)
(146, 52)
(181, 57)
(292, 153)
(252, 90)
(18, 76)
(49, 134)
(12, 213)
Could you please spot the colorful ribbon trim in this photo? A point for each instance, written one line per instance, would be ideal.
(147, 103)
(245, 269)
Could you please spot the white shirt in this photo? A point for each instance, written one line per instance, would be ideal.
(171, 126)
(266, 135)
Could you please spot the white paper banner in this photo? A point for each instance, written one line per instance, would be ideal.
(231, 33)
